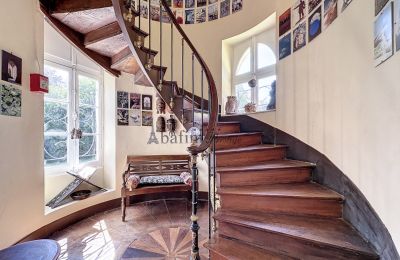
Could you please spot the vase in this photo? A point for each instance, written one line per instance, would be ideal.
(231, 105)
(250, 108)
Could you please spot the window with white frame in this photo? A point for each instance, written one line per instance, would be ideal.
(254, 59)
(73, 102)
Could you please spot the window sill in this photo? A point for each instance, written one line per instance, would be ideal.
(250, 113)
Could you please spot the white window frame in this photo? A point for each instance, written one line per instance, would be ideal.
(73, 112)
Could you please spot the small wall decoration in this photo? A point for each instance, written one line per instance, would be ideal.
(201, 15)
(155, 12)
(10, 101)
(343, 4)
(330, 11)
(135, 118)
(212, 12)
(144, 9)
(397, 23)
(134, 101)
(11, 69)
(237, 5)
(225, 8)
(285, 46)
(189, 16)
(147, 118)
(122, 117)
(379, 5)
(201, 3)
(299, 37)
(179, 16)
(298, 12)
(314, 24)
(160, 125)
(383, 35)
(284, 22)
(210, 2)
(312, 4)
(122, 99)
(147, 102)
(160, 104)
(189, 3)
(177, 3)
(171, 125)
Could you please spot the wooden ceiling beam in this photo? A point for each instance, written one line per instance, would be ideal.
(102, 33)
(69, 6)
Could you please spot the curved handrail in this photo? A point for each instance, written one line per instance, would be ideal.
(213, 97)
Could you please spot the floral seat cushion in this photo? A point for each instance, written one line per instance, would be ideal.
(161, 179)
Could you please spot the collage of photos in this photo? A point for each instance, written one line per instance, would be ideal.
(134, 109)
(305, 20)
(191, 11)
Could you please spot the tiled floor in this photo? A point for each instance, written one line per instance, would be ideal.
(105, 236)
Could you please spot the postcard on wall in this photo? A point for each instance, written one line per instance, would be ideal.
(314, 24)
(11, 69)
(201, 3)
(379, 5)
(177, 3)
(147, 102)
(225, 8)
(383, 35)
(312, 4)
(237, 5)
(10, 101)
(135, 118)
(122, 117)
(213, 12)
(179, 16)
(147, 118)
(298, 12)
(343, 4)
(210, 2)
(190, 3)
(285, 46)
(189, 16)
(122, 99)
(155, 12)
(144, 10)
(330, 11)
(397, 23)
(299, 36)
(284, 22)
(134, 100)
(201, 15)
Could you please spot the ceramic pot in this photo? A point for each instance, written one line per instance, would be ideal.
(250, 108)
(231, 105)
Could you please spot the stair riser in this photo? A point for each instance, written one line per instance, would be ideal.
(250, 157)
(290, 246)
(285, 205)
(237, 141)
(215, 256)
(251, 178)
(228, 129)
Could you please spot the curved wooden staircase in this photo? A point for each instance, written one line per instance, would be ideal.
(271, 210)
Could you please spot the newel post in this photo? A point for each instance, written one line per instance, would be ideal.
(195, 255)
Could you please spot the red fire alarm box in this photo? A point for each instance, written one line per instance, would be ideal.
(39, 83)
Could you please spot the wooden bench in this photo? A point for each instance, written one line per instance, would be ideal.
(153, 165)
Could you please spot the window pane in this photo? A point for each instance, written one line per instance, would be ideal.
(88, 91)
(88, 119)
(244, 65)
(55, 150)
(87, 148)
(243, 93)
(55, 117)
(266, 56)
(58, 83)
(266, 82)
(264, 96)
(264, 92)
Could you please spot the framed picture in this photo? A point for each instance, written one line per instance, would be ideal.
(379, 5)
(225, 8)
(298, 12)
(135, 118)
(190, 3)
(299, 36)
(155, 12)
(314, 24)
(383, 35)
(122, 99)
(343, 4)
(177, 3)
(212, 12)
(237, 5)
(10, 101)
(189, 16)
(201, 3)
(147, 118)
(144, 10)
(134, 101)
(122, 117)
(179, 16)
(397, 23)
(201, 15)
(147, 102)
(11, 69)
(330, 11)
(312, 4)
(285, 46)
(210, 2)
(284, 22)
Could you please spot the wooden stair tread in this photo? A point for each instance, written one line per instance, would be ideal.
(292, 190)
(236, 250)
(237, 134)
(250, 148)
(139, 31)
(149, 51)
(326, 232)
(278, 164)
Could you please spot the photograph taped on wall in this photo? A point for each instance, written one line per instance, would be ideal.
(284, 22)
(225, 8)
(10, 101)
(397, 23)
(189, 3)
(298, 12)
(213, 12)
(122, 117)
(201, 3)
(155, 12)
(210, 2)
(314, 24)
(379, 5)
(135, 118)
(312, 4)
(189, 16)
(177, 4)
(201, 15)
(144, 10)
(383, 35)
(179, 16)
(237, 5)
(122, 99)
(165, 17)
(11, 69)
(343, 4)
(147, 118)
(147, 102)
(134, 100)
(330, 11)
(285, 46)
(299, 36)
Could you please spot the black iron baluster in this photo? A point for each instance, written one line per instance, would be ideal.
(183, 81)
(202, 104)
(140, 13)
(210, 205)
(193, 122)
(161, 61)
(194, 218)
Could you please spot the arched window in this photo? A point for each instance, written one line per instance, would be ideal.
(265, 56)
(244, 63)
